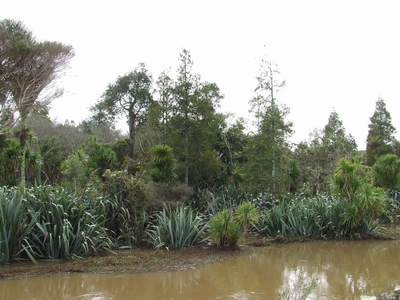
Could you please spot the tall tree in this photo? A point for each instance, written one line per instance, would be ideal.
(166, 97)
(185, 91)
(336, 142)
(28, 71)
(386, 172)
(270, 144)
(380, 138)
(194, 123)
(204, 126)
(130, 96)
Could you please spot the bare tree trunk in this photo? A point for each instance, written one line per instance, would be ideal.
(132, 131)
(23, 165)
(186, 154)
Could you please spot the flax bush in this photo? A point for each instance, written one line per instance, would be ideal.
(16, 223)
(224, 197)
(66, 226)
(176, 229)
(321, 216)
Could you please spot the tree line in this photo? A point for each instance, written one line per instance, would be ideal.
(176, 135)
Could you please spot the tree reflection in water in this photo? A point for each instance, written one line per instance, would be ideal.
(343, 270)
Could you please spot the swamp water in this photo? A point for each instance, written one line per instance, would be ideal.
(339, 270)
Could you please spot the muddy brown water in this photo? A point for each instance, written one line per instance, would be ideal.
(342, 270)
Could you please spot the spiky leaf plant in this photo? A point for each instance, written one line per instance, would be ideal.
(176, 229)
(16, 224)
(224, 230)
(246, 213)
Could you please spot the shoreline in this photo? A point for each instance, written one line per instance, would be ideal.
(148, 260)
(124, 261)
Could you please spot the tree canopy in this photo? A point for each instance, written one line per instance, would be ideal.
(28, 71)
(130, 97)
(380, 138)
(179, 117)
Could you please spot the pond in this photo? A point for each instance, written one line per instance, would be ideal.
(339, 270)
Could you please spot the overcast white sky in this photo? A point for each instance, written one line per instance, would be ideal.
(339, 55)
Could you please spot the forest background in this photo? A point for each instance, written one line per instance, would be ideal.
(338, 55)
(178, 112)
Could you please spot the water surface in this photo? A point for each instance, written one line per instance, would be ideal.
(343, 270)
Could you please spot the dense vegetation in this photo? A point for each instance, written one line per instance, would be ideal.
(182, 175)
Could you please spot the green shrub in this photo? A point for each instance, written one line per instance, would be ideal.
(386, 171)
(246, 214)
(224, 230)
(176, 229)
(225, 197)
(164, 164)
(125, 199)
(320, 216)
(125, 224)
(165, 194)
(132, 190)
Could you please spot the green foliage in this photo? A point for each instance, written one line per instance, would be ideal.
(170, 195)
(16, 223)
(364, 203)
(224, 230)
(121, 149)
(101, 156)
(386, 172)
(194, 122)
(126, 225)
(130, 96)
(229, 146)
(164, 164)
(227, 224)
(176, 229)
(224, 197)
(371, 201)
(267, 151)
(89, 161)
(165, 104)
(346, 182)
(133, 190)
(352, 218)
(206, 169)
(381, 133)
(319, 216)
(293, 171)
(11, 159)
(75, 168)
(246, 214)
(65, 227)
(28, 69)
(45, 222)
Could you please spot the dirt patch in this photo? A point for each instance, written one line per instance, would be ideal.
(132, 261)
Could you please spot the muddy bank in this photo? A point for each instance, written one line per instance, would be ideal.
(132, 261)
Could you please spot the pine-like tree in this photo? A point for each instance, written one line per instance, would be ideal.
(381, 133)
